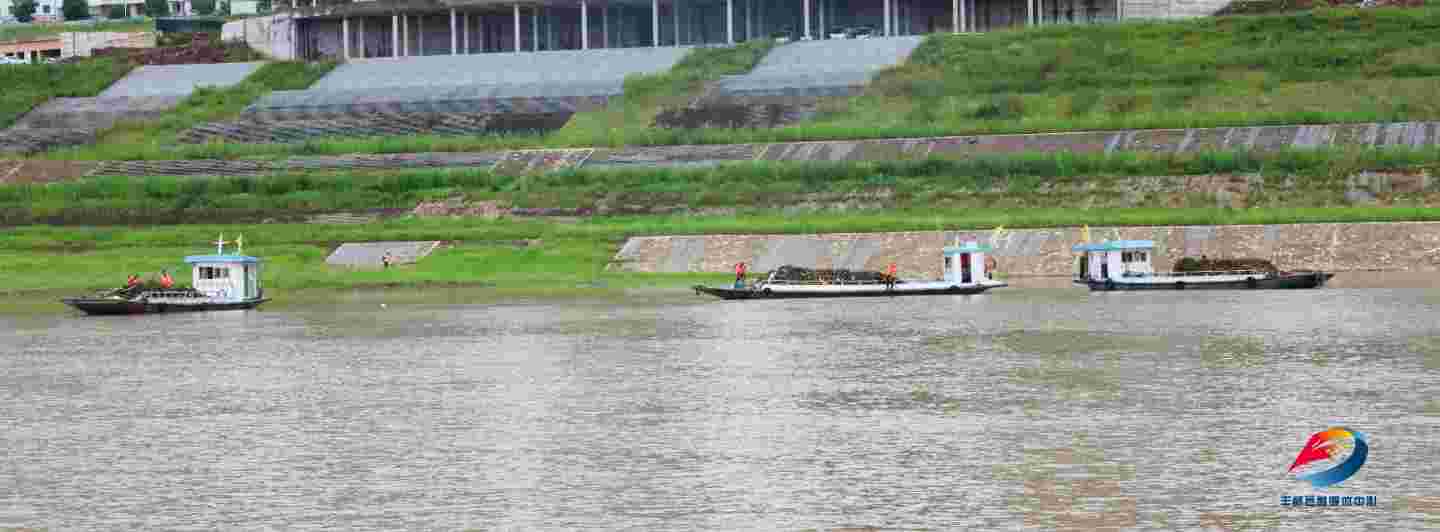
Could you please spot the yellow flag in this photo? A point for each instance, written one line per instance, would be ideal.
(1085, 233)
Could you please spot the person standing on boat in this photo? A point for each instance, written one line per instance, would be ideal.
(890, 277)
(739, 275)
(165, 280)
(132, 281)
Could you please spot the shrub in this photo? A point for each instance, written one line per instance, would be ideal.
(75, 9)
(157, 8)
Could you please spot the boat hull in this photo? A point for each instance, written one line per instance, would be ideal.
(1289, 281)
(899, 290)
(100, 306)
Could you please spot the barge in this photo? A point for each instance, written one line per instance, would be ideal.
(965, 272)
(1125, 265)
(218, 282)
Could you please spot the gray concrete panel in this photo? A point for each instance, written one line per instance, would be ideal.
(178, 80)
(686, 254)
(794, 250)
(820, 68)
(369, 254)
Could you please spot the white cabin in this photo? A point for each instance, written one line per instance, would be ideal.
(965, 263)
(1114, 260)
(226, 277)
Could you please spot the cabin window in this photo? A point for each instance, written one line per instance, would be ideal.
(208, 272)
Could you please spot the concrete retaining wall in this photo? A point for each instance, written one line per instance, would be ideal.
(1408, 247)
(82, 44)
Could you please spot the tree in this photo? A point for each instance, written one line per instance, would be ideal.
(24, 10)
(75, 9)
(202, 7)
(117, 11)
(157, 8)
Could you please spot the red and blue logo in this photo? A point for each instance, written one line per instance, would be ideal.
(1330, 446)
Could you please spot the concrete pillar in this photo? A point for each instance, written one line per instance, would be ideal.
(420, 35)
(605, 27)
(405, 37)
(887, 18)
(517, 28)
(465, 33)
(535, 29)
(584, 25)
(345, 35)
(750, 19)
(954, 16)
(454, 37)
(730, 21)
(362, 38)
(1030, 12)
(394, 35)
(655, 22)
(675, 20)
(805, 12)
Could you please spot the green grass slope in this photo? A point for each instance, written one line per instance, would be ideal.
(1326, 65)
(22, 87)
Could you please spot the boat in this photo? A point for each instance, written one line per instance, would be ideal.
(1125, 265)
(219, 282)
(965, 272)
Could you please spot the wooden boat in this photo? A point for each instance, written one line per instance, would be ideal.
(965, 273)
(220, 282)
(1125, 265)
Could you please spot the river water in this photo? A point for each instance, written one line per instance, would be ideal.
(1022, 408)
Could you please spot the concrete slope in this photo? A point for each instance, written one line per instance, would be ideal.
(1364, 247)
(500, 68)
(1172, 9)
(178, 80)
(820, 68)
(475, 83)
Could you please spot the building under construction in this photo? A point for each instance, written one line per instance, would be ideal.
(343, 29)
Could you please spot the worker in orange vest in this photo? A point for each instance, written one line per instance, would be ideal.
(132, 280)
(890, 277)
(740, 275)
(165, 280)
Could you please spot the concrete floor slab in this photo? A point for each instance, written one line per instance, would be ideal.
(179, 80)
(369, 254)
(820, 68)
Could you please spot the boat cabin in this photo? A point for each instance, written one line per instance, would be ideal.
(226, 277)
(1114, 260)
(965, 263)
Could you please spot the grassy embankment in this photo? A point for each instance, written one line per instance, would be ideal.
(205, 104)
(1321, 66)
(624, 118)
(49, 258)
(924, 195)
(1310, 179)
(26, 86)
(33, 32)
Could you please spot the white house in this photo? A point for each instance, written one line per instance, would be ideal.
(45, 10)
